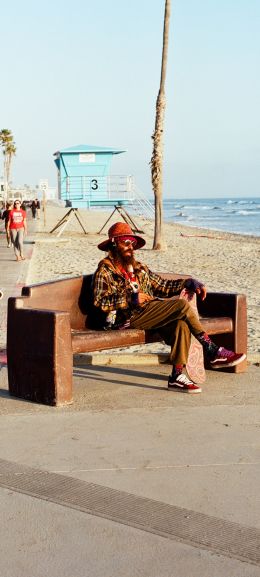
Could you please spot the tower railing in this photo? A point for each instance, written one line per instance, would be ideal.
(90, 191)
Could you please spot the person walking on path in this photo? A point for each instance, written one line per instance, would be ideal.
(38, 207)
(34, 208)
(17, 225)
(126, 294)
(5, 217)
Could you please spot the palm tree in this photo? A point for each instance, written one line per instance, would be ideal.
(157, 155)
(5, 136)
(9, 150)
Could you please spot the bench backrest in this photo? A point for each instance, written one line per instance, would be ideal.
(72, 295)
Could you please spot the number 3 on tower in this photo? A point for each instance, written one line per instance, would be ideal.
(94, 184)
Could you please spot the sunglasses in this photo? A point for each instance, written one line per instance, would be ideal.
(16, 203)
(128, 242)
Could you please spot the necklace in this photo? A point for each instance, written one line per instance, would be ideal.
(128, 274)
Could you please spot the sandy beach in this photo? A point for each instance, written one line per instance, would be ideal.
(223, 261)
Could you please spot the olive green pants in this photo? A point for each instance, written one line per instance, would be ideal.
(174, 320)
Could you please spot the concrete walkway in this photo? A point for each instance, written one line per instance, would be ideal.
(126, 432)
(150, 455)
(13, 274)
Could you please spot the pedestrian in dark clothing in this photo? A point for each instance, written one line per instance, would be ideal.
(5, 217)
(34, 208)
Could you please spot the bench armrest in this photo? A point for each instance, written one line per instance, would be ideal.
(39, 353)
(228, 305)
(220, 304)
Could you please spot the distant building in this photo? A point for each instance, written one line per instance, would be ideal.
(27, 192)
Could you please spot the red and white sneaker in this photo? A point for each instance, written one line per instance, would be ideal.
(182, 383)
(226, 358)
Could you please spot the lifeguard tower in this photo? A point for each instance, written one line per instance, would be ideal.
(85, 181)
(84, 177)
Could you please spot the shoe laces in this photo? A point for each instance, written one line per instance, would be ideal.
(224, 353)
(183, 380)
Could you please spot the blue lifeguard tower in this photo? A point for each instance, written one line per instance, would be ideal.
(84, 177)
(84, 180)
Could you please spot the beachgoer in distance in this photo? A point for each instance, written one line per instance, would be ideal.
(38, 207)
(17, 225)
(34, 208)
(5, 217)
(126, 294)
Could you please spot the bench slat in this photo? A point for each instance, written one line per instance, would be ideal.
(90, 340)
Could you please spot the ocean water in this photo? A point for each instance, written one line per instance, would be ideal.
(239, 215)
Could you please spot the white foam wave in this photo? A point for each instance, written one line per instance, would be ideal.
(247, 212)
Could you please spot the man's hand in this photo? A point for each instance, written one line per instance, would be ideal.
(197, 287)
(144, 298)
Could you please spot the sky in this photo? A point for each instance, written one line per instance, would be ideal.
(88, 73)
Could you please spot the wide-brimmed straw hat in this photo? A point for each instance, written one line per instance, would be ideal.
(120, 229)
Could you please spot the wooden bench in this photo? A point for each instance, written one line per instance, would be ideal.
(48, 324)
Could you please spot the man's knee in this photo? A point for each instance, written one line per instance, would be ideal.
(182, 306)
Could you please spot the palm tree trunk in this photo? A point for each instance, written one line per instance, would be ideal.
(8, 168)
(5, 177)
(9, 150)
(157, 155)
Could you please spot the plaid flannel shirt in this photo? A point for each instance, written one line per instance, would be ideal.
(112, 291)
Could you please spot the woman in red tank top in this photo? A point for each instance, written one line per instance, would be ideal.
(18, 228)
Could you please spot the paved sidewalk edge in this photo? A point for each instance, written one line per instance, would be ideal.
(126, 358)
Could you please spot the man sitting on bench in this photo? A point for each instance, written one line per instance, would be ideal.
(128, 295)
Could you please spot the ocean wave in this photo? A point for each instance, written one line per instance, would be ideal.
(248, 212)
(204, 207)
(180, 214)
(239, 215)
